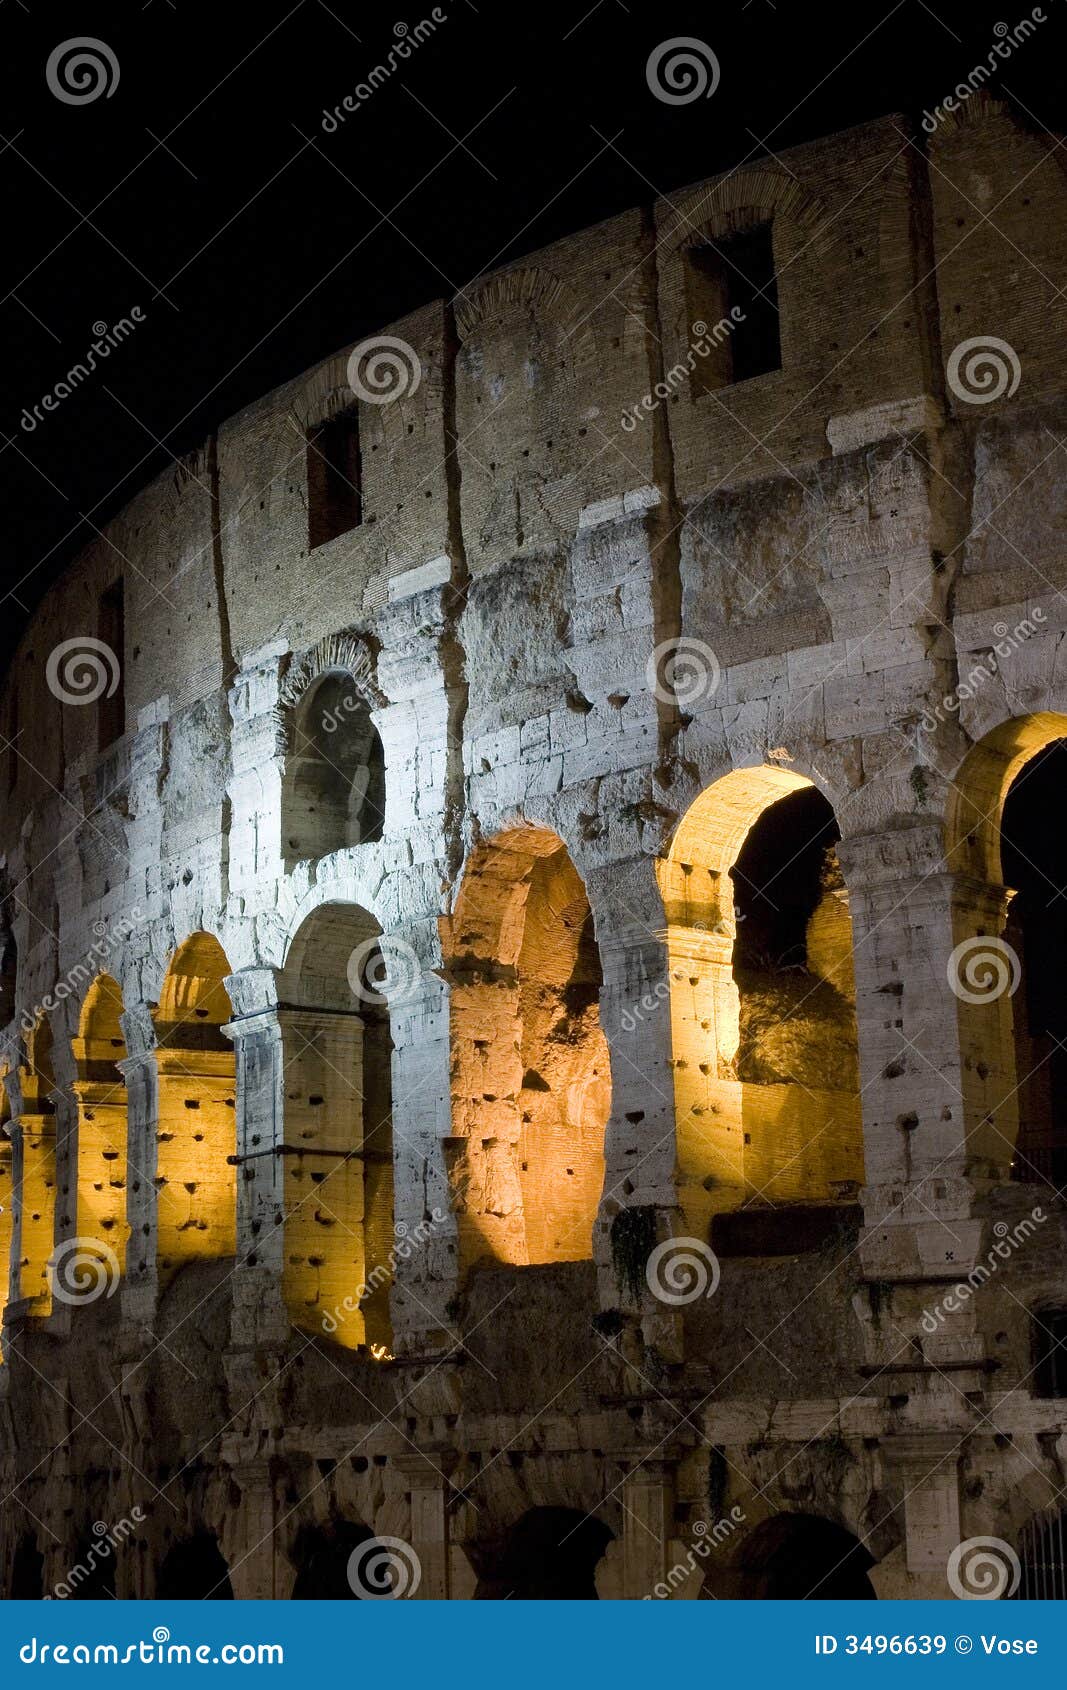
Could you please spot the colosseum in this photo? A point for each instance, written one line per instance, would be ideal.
(533, 908)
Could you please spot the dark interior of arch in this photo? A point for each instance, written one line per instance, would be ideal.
(334, 794)
(549, 1555)
(797, 1557)
(321, 1555)
(27, 1570)
(194, 1571)
(1034, 864)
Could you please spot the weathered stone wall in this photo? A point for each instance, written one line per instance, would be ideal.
(565, 632)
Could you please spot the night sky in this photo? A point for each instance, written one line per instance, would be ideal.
(205, 191)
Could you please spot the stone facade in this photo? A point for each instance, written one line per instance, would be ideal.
(389, 954)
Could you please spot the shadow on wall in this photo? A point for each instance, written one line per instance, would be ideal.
(321, 1555)
(194, 1570)
(797, 1557)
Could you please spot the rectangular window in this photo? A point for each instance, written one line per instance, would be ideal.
(1050, 1352)
(111, 629)
(335, 493)
(733, 279)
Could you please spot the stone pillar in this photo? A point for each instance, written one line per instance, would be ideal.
(429, 1490)
(249, 1542)
(926, 1470)
(138, 1068)
(648, 1527)
(427, 1276)
(32, 1132)
(259, 1313)
(641, 1139)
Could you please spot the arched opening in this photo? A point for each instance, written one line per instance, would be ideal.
(333, 794)
(802, 1557)
(34, 1173)
(1043, 1558)
(1034, 864)
(197, 1133)
(1005, 830)
(194, 1571)
(762, 1015)
(321, 1555)
(549, 1555)
(339, 1238)
(100, 1094)
(531, 1085)
(27, 1570)
(8, 1287)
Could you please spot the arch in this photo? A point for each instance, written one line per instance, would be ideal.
(321, 1555)
(549, 1555)
(333, 788)
(1003, 840)
(338, 1170)
(197, 1133)
(100, 1096)
(1043, 1557)
(8, 1284)
(803, 1557)
(530, 1073)
(762, 1000)
(34, 1172)
(194, 1570)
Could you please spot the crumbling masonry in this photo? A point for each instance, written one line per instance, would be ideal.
(391, 943)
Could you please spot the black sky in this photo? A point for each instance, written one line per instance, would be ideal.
(205, 191)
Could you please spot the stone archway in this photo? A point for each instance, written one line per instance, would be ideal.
(803, 1557)
(100, 1096)
(762, 1010)
(530, 1073)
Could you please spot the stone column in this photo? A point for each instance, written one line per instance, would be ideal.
(248, 1539)
(429, 1490)
(427, 1275)
(926, 1469)
(259, 1313)
(139, 1070)
(648, 1527)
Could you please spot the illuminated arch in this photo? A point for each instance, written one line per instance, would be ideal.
(195, 1173)
(780, 1137)
(530, 1073)
(340, 1244)
(1011, 1082)
(100, 1095)
(34, 1181)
